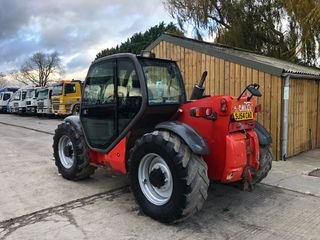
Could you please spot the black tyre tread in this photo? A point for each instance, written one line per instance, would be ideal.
(193, 171)
(83, 169)
(265, 164)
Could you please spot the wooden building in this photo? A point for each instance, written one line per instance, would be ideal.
(291, 93)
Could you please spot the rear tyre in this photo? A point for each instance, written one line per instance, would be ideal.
(265, 164)
(169, 182)
(71, 153)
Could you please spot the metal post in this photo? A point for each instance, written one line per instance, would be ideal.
(285, 122)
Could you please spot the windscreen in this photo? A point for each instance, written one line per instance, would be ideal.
(17, 96)
(164, 82)
(43, 94)
(57, 90)
(99, 87)
(36, 93)
(30, 93)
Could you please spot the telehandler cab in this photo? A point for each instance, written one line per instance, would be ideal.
(135, 119)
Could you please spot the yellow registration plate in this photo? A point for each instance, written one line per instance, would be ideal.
(240, 116)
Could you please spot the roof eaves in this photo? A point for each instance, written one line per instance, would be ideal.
(206, 49)
(301, 75)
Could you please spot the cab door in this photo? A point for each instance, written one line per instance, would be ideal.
(98, 106)
(111, 101)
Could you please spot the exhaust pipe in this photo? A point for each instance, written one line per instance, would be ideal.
(198, 89)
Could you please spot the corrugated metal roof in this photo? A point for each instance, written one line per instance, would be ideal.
(240, 56)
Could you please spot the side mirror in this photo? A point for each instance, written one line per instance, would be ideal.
(253, 89)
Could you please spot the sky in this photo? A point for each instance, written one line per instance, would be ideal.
(77, 29)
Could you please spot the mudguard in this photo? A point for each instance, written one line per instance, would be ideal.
(75, 121)
(193, 139)
(263, 135)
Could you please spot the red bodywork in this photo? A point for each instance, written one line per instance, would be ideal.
(115, 159)
(233, 145)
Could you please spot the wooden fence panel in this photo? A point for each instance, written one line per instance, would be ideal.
(303, 114)
(221, 77)
(243, 77)
(212, 74)
(207, 68)
(227, 78)
(232, 78)
(275, 115)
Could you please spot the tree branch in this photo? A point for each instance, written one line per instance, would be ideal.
(38, 68)
(220, 22)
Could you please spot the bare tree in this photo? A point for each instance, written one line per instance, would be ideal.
(39, 69)
(3, 80)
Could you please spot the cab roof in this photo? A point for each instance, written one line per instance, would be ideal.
(128, 55)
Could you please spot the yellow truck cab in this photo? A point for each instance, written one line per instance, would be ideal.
(66, 97)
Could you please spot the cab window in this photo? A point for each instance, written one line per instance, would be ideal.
(17, 96)
(57, 90)
(129, 93)
(30, 93)
(99, 87)
(24, 94)
(36, 93)
(164, 82)
(6, 96)
(69, 88)
(128, 82)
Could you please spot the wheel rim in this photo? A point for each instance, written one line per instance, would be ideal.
(66, 153)
(157, 191)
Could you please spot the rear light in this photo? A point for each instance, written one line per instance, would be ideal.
(223, 105)
(201, 112)
(258, 108)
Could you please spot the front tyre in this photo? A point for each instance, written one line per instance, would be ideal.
(71, 153)
(170, 183)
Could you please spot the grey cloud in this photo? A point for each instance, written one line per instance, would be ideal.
(76, 62)
(12, 17)
(74, 28)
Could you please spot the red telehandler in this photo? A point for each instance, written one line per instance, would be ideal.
(135, 119)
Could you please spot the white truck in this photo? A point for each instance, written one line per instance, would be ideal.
(44, 102)
(5, 95)
(18, 103)
(4, 99)
(14, 102)
(31, 100)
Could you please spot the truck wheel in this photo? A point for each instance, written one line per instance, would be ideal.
(170, 183)
(71, 153)
(265, 164)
